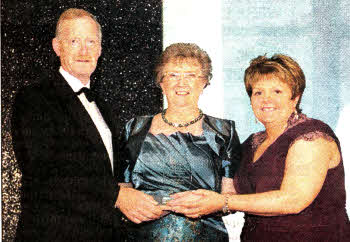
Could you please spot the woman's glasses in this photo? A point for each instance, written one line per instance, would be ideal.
(176, 76)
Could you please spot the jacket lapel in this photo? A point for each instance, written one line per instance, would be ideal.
(75, 109)
(112, 120)
(213, 134)
(137, 130)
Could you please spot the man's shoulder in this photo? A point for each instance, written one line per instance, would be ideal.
(30, 92)
(39, 88)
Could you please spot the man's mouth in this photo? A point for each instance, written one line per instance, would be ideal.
(83, 60)
(182, 93)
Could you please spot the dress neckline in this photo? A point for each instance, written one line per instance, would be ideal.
(259, 138)
(178, 131)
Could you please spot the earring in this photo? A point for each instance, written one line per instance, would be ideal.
(296, 116)
(256, 121)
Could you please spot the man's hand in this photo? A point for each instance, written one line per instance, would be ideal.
(138, 206)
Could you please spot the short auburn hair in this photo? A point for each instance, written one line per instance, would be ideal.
(280, 66)
(184, 51)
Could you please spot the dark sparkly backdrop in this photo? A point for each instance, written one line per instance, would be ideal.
(132, 39)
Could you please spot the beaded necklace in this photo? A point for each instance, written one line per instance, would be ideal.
(176, 125)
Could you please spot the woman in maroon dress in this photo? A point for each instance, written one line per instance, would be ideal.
(291, 180)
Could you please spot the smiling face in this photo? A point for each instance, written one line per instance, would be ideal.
(79, 47)
(182, 83)
(271, 101)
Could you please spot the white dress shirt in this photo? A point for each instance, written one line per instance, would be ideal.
(93, 111)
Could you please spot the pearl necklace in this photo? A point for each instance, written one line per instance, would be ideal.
(181, 125)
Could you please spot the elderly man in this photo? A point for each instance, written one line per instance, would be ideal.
(63, 140)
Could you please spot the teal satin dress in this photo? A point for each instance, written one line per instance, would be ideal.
(175, 163)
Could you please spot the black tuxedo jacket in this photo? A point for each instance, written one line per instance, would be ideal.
(68, 187)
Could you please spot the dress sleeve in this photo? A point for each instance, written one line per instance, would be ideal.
(310, 136)
(125, 164)
(232, 157)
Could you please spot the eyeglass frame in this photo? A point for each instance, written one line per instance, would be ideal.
(176, 76)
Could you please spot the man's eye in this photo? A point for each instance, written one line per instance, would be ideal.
(173, 75)
(91, 42)
(74, 42)
(278, 91)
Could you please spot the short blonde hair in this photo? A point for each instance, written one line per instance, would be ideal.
(280, 66)
(75, 13)
(183, 51)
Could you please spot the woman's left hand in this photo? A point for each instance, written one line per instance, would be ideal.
(195, 204)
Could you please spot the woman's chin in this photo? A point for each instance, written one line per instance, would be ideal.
(183, 104)
(267, 120)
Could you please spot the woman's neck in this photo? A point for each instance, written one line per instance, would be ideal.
(183, 114)
(273, 131)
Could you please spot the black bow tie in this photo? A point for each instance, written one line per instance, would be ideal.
(89, 94)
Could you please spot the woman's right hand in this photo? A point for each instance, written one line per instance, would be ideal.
(138, 206)
(196, 203)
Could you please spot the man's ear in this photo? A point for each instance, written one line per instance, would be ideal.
(100, 52)
(161, 85)
(56, 46)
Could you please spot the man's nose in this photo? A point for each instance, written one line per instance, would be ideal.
(83, 49)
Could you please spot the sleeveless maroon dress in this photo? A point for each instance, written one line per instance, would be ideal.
(325, 219)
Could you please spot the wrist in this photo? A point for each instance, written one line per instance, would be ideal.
(121, 189)
(225, 207)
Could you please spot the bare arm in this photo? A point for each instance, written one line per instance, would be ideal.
(307, 164)
(227, 186)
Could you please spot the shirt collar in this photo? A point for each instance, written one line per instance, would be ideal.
(73, 82)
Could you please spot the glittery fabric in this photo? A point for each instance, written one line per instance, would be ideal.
(132, 40)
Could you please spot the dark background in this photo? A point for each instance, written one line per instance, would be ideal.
(131, 43)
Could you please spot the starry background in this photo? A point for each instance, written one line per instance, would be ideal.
(132, 41)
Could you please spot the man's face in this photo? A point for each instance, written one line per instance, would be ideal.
(79, 47)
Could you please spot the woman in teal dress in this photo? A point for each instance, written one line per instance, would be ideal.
(178, 150)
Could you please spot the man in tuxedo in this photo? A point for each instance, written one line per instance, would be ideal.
(63, 139)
